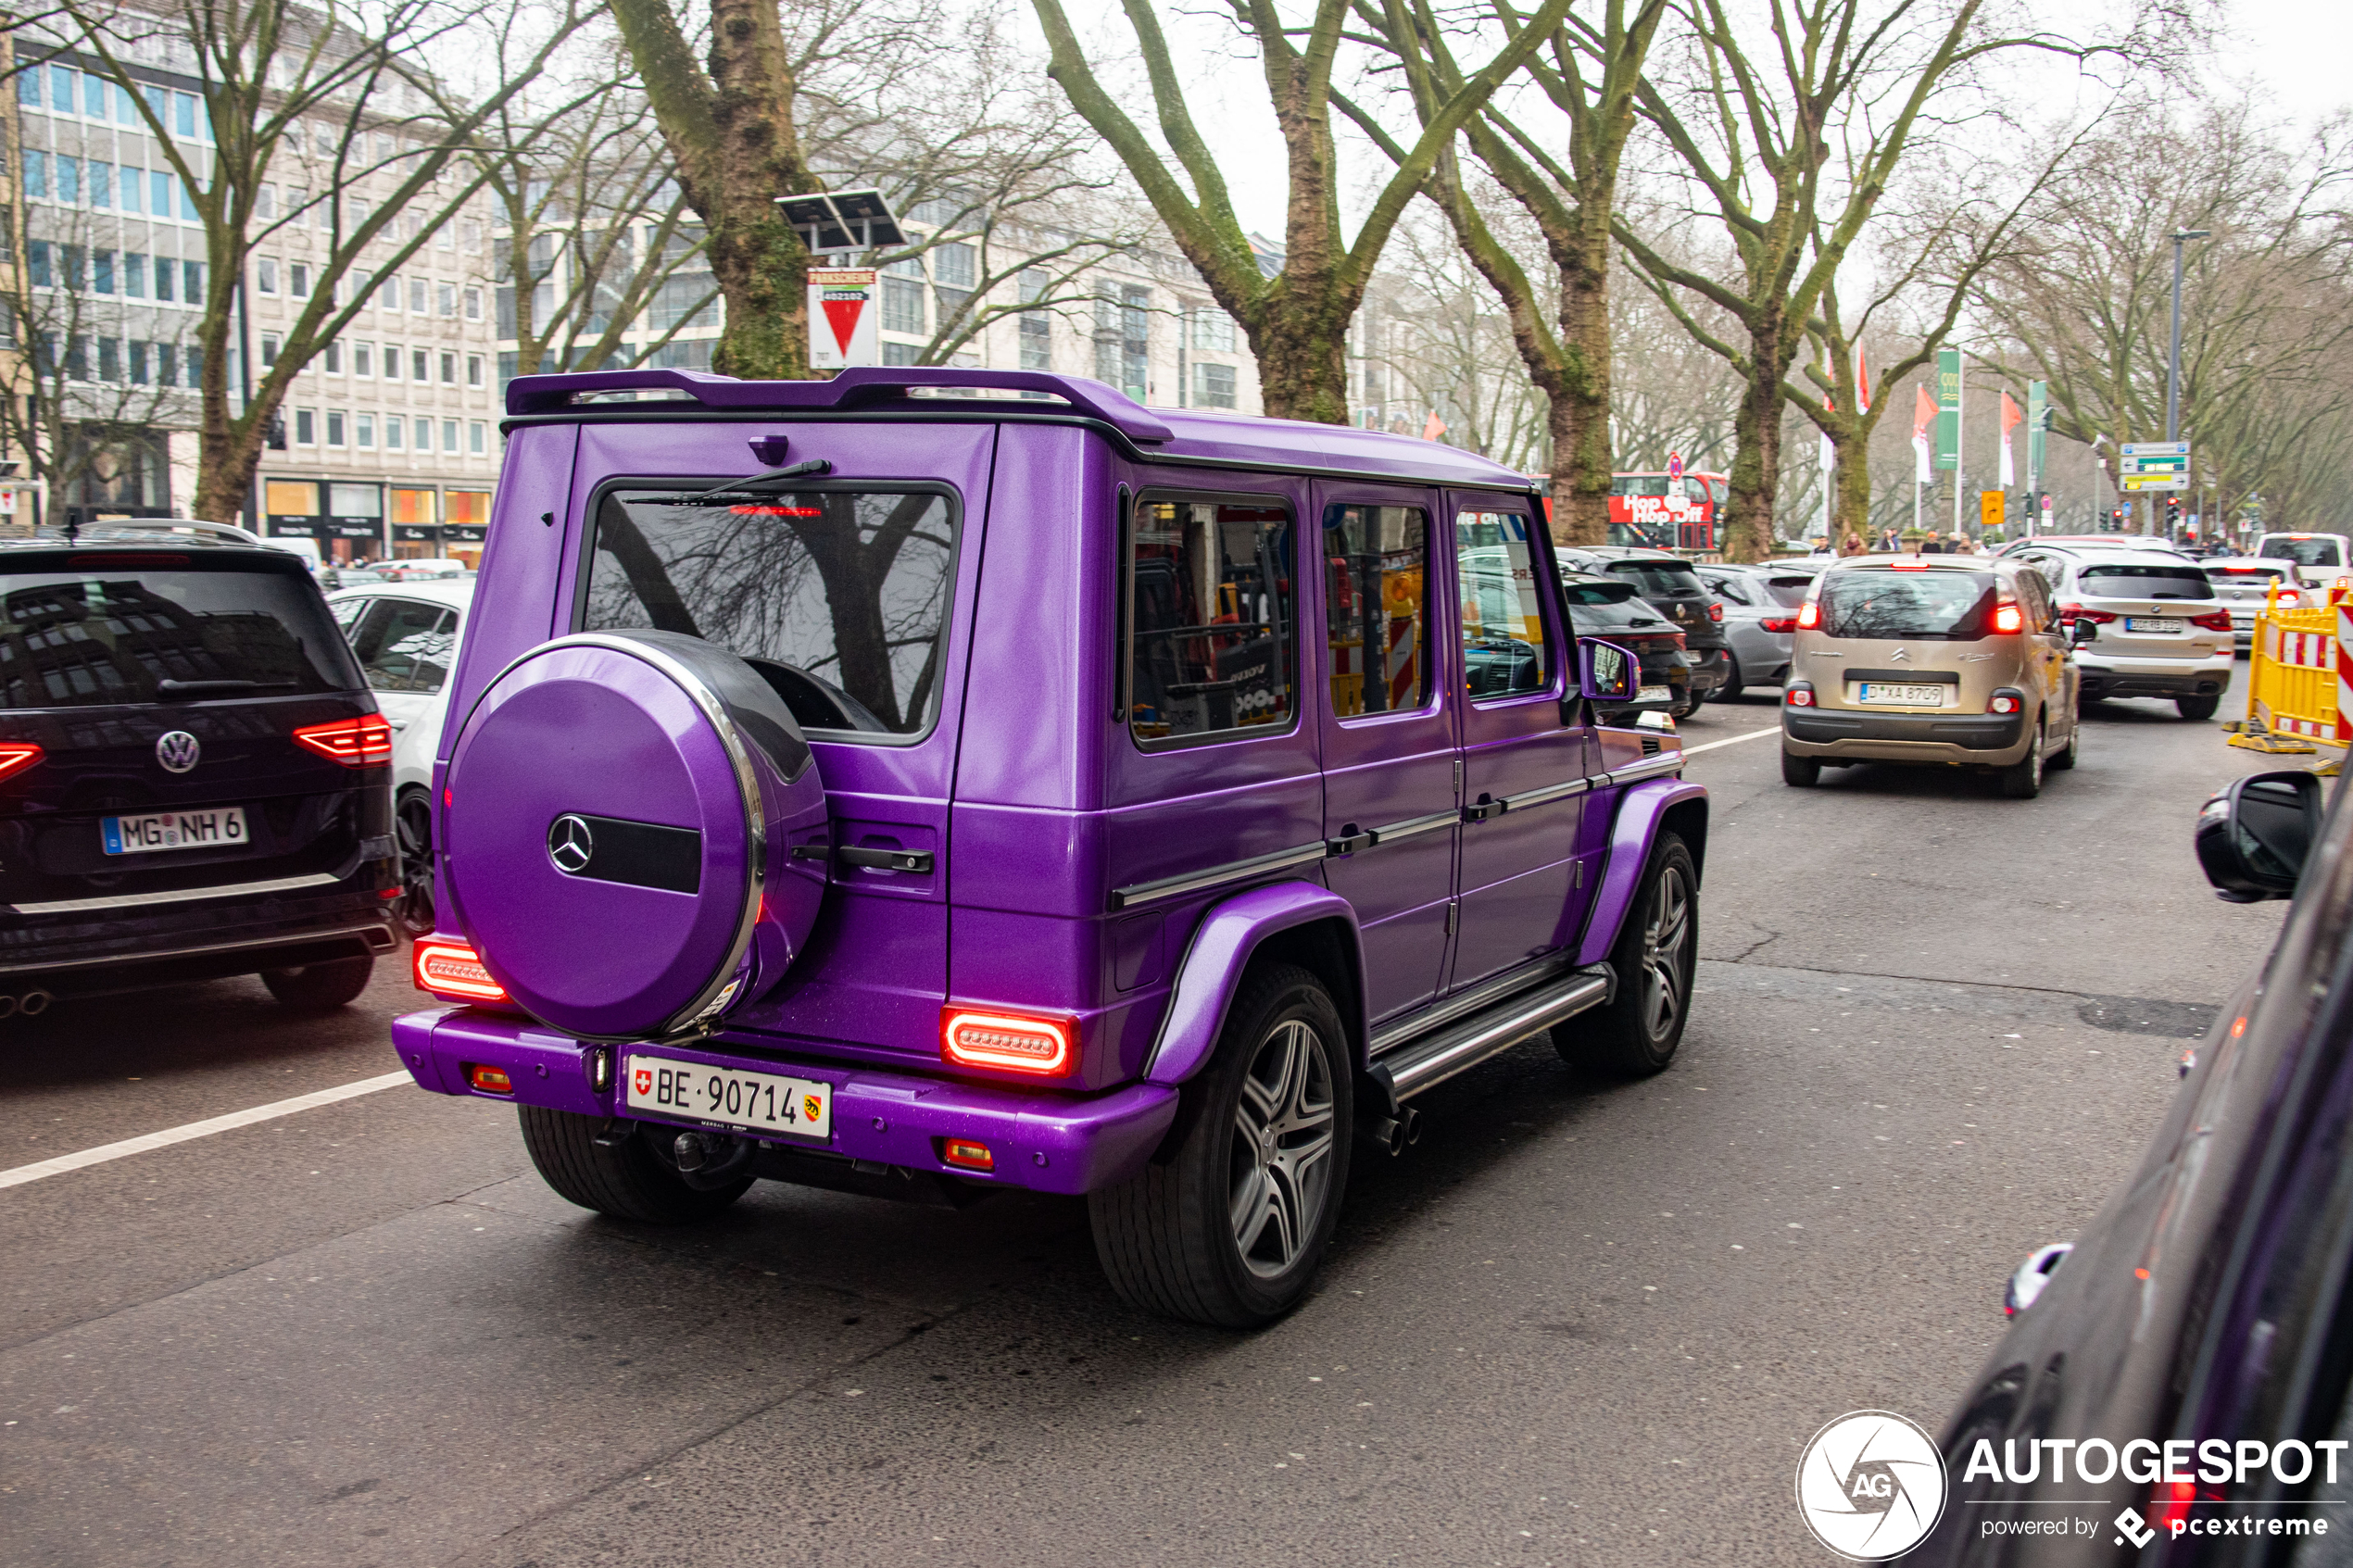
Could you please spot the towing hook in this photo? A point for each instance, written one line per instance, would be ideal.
(708, 1161)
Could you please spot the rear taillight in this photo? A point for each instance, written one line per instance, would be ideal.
(1778, 622)
(1809, 615)
(2002, 704)
(451, 969)
(973, 1038)
(966, 1154)
(1799, 695)
(15, 756)
(1715, 612)
(489, 1080)
(364, 742)
(2077, 612)
(2009, 618)
(2213, 620)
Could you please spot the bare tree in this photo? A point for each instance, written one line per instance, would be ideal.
(1296, 319)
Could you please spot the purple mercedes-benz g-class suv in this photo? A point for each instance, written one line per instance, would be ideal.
(930, 780)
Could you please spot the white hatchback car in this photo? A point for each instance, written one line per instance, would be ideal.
(406, 636)
(2148, 624)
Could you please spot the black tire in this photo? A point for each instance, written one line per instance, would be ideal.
(1655, 957)
(2066, 758)
(1685, 708)
(320, 988)
(2022, 780)
(1734, 684)
(1801, 773)
(413, 912)
(2198, 709)
(628, 1181)
(1168, 1239)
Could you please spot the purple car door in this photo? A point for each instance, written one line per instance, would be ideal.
(1523, 768)
(1389, 744)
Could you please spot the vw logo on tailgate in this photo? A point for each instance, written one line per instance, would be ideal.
(570, 844)
(178, 751)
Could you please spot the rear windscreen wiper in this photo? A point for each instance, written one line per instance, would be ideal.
(211, 688)
(741, 489)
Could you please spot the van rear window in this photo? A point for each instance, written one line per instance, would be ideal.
(1929, 606)
(837, 597)
(2314, 551)
(102, 635)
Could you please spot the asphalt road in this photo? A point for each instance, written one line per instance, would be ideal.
(1581, 1322)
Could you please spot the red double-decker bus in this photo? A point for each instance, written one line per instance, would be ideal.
(1683, 515)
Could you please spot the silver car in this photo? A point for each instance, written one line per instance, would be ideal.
(2147, 625)
(2244, 585)
(1760, 615)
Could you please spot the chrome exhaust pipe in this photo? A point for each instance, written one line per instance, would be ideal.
(33, 1003)
(7, 1005)
(1389, 1134)
(1412, 1127)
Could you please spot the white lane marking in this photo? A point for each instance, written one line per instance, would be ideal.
(206, 1128)
(1752, 734)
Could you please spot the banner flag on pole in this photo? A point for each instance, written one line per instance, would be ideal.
(1862, 382)
(1434, 427)
(1924, 417)
(2011, 416)
(1948, 408)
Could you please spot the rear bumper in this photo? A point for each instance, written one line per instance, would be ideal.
(1046, 1142)
(164, 944)
(2155, 677)
(1980, 739)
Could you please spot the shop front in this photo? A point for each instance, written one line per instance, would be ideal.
(440, 524)
(346, 520)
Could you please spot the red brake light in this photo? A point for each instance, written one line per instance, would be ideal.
(1715, 612)
(973, 1038)
(2213, 620)
(489, 1080)
(1800, 697)
(2009, 618)
(364, 742)
(968, 1154)
(2077, 612)
(1809, 615)
(15, 756)
(1912, 564)
(450, 968)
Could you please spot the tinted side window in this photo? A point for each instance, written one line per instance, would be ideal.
(1211, 615)
(837, 597)
(1503, 625)
(404, 646)
(1376, 588)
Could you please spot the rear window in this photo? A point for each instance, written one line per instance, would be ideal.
(1932, 606)
(2127, 582)
(1597, 593)
(837, 597)
(1658, 579)
(95, 636)
(2303, 552)
(1787, 592)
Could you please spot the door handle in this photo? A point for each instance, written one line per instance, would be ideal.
(916, 861)
(1348, 843)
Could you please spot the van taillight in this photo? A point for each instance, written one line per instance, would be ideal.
(449, 967)
(1809, 615)
(364, 742)
(973, 1038)
(2009, 618)
(15, 756)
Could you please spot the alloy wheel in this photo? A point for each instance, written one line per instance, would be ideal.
(413, 827)
(1279, 1172)
(1668, 932)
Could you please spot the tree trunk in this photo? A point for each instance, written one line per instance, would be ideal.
(1579, 414)
(1850, 503)
(1756, 459)
(1301, 346)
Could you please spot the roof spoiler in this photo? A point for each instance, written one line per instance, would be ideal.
(865, 388)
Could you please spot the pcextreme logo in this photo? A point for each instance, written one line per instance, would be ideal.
(1870, 1486)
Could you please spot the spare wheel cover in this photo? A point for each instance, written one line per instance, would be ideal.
(621, 814)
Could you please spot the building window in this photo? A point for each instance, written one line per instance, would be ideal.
(102, 272)
(955, 265)
(264, 275)
(1135, 342)
(425, 435)
(101, 183)
(394, 426)
(902, 305)
(133, 186)
(334, 358)
(37, 260)
(138, 357)
(334, 428)
(448, 368)
(68, 178)
(36, 170)
(392, 361)
(1213, 329)
(269, 349)
(478, 438)
(363, 359)
(450, 435)
(449, 296)
(417, 297)
(474, 303)
(134, 269)
(192, 283)
(77, 265)
(109, 359)
(265, 201)
(678, 354)
(299, 280)
(363, 431)
(306, 427)
(1037, 327)
(389, 295)
(900, 353)
(473, 369)
(418, 370)
(1213, 385)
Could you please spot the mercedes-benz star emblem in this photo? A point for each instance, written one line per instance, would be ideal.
(570, 844)
(178, 751)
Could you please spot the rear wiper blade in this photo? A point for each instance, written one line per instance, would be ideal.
(167, 688)
(742, 488)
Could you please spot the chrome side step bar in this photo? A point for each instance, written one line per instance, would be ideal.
(1429, 1061)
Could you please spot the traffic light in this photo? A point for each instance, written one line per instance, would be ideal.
(2116, 519)
(2172, 515)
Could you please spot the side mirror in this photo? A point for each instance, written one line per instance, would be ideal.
(1607, 672)
(2081, 631)
(2254, 838)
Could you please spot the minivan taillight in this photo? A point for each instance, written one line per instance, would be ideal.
(1809, 615)
(2009, 618)
(15, 756)
(364, 742)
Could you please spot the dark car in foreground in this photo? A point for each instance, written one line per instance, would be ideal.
(2181, 1375)
(193, 777)
(1673, 588)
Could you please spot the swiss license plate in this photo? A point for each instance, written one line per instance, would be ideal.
(216, 827)
(1901, 695)
(2153, 624)
(758, 1102)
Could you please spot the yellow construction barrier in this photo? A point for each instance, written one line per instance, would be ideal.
(2297, 676)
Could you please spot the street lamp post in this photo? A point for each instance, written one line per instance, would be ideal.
(2173, 360)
